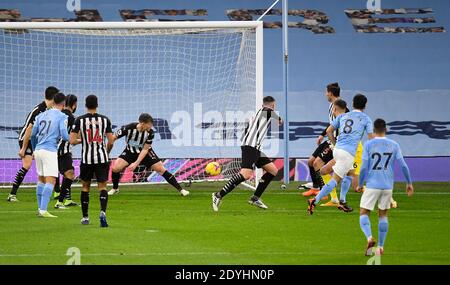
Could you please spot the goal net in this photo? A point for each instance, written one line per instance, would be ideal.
(200, 81)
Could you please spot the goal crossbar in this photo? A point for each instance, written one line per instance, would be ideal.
(132, 25)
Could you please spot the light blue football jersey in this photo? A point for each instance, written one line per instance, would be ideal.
(49, 127)
(351, 126)
(378, 157)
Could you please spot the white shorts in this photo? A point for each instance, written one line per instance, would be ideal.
(370, 197)
(344, 162)
(46, 163)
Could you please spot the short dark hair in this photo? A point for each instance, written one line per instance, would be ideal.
(59, 98)
(341, 104)
(334, 89)
(50, 92)
(145, 118)
(71, 100)
(91, 102)
(359, 101)
(379, 126)
(268, 99)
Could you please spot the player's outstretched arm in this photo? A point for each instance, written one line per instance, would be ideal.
(141, 156)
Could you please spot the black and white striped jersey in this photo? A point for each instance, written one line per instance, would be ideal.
(42, 107)
(93, 129)
(64, 146)
(257, 127)
(134, 138)
(331, 116)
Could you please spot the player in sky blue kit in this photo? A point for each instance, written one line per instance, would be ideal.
(351, 126)
(49, 128)
(377, 170)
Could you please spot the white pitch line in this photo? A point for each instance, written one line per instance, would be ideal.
(303, 253)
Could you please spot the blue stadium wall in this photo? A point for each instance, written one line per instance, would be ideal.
(402, 65)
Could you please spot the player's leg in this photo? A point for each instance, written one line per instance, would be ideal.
(345, 186)
(49, 163)
(384, 204)
(125, 159)
(66, 186)
(46, 196)
(344, 163)
(249, 157)
(270, 172)
(20, 175)
(383, 226)
(368, 200)
(366, 228)
(357, 166)
(86, 174)
(319, 152)
(317, 178)
(328, 187)
(39, 190)
(41, 180)
(56, 189)
(312, 173)
(101, 173)
(169, 177)
(318, 164)
(65, 166)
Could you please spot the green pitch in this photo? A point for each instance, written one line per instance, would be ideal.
(154, 225)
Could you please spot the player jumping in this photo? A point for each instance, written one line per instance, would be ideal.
(378, 172)
(139, 151)
(26, 151)
(252, 156)
(93, 128)
(50, 126)
(352, 127)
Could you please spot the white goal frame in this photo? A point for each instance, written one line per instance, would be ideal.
(257, 25)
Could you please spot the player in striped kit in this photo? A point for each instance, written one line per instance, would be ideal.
(323, 153)
(253, 157)
(93, 128)
(139, 151)
(26, 150)
(65, 161)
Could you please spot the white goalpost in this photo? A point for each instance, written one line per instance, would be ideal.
(199, 81)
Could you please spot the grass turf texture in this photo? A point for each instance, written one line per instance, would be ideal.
(154, 225)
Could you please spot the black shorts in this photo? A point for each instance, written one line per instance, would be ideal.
(252, 157)
(101, 171)
(65, 163)
(148, 161)
(324, 152)
(29, 150)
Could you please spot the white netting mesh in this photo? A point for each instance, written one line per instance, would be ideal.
(169, 73)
